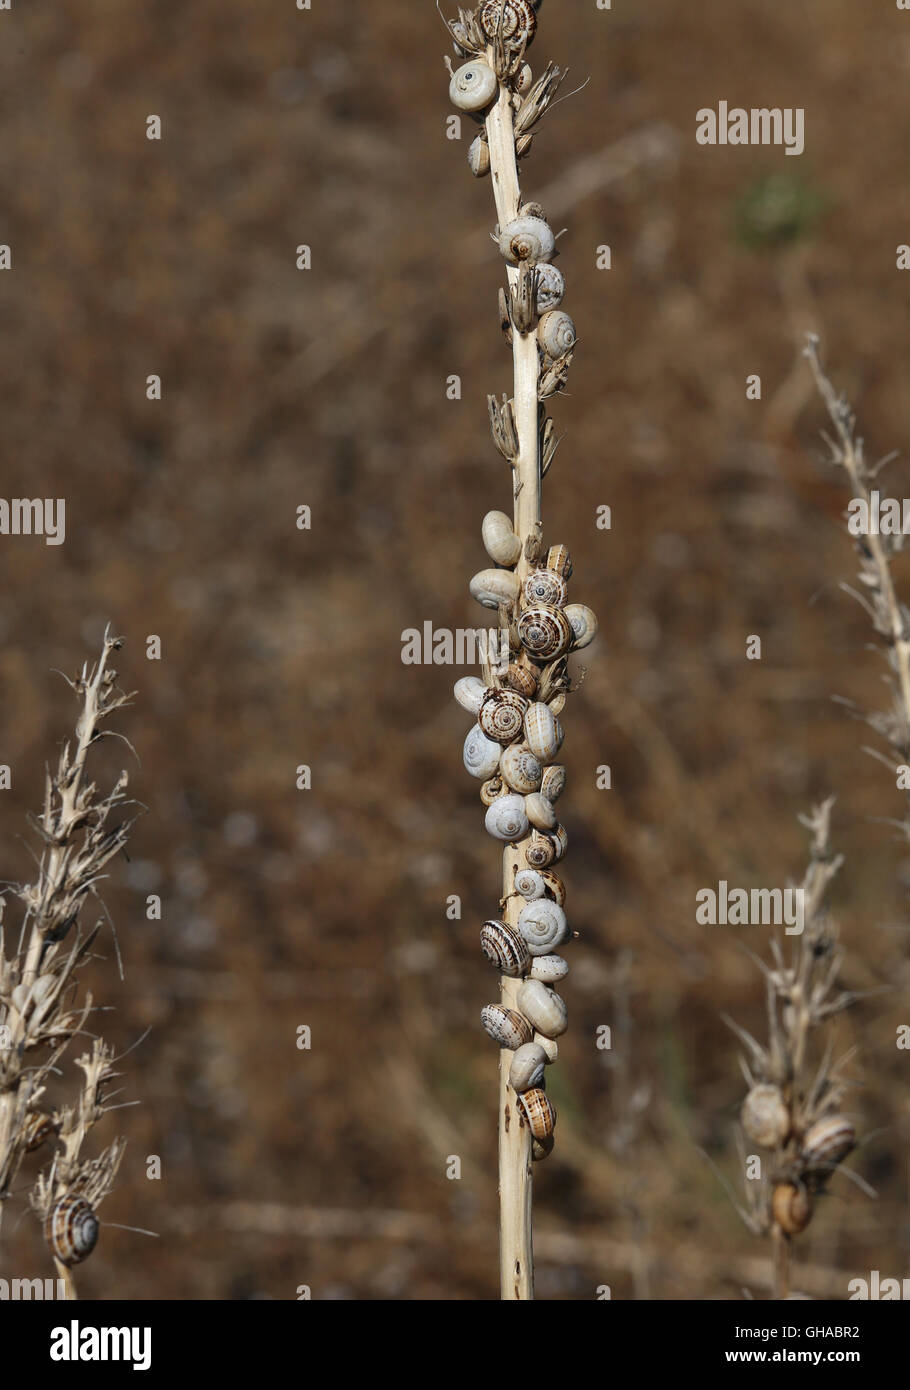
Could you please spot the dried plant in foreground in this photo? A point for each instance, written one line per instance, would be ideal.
(793, 1107)
(41, 1013)
(514, 745)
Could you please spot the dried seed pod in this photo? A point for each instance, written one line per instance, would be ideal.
(499, 539)
(543, 1008)
(481, 754)
(39, 1128)
(553, 781)
(551, 286)
(543, 731)
(549, 969)
(765, 1117)
(505, 949)
(527, 239)
(543, 925)
(515, 21)
(542, 1148)
(505, 1026)
(545, 586)
(470, 692)
(555, 886)
(71, 1230)
(539, 1111)
(539, 812)
(545, 632)
(493, 587)
(479, 157)
(827, 1143)
(502, 715)
(559, 559)
(540, 851)
(520, 769)
(792, 1208)
(584, 624)
(474, 86)
(521, 679)
(502, 421)
(530, 883)
(506, 819)
(491, 790)
(556, 333)
(526, 1070)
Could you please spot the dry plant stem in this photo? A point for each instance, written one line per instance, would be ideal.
(781, 1262)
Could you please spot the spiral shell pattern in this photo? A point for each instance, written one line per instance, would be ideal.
(556, 333)
(481, 754)
(545, 586)
(530, 883)
(506, 1026)
(502, 715)
(514, 19)
(71, 1230)
(827, 1142)
(506, 819)
(553, 782)
(543, 925)
(539, 1111)
(545, 632)
(551, 287)
(505, 949)
(540, 852)
(474, 85)
(521, 679)
(527, 239)
(520, 769)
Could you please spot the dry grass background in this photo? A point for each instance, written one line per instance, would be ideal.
(327, 908)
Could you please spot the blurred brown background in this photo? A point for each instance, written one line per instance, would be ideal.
(281, 388)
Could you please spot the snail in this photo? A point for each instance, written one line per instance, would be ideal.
(526, 1071)
(504, 948)
(539, 1111)
(541, 852)
(827, 1142)
(765, 1117)
(520, 769)
(543, 925)
(499, 539)
(493, 587)
(481, 754)
(541, 1148)
(792, 1208)
(551, 286)
(561, 841)
(530, 883)
(539, 811)
(505, 1026)
(527, 239)
(524, 79)
(71, 1230)
(506, 819)
(515, 20)
(553, 781)
(473, 86)
(550, 1046)
(39, 1128)
(521, 679)
(470, 692)
(543, 1008)
(502, 715)
(543, 732)
(545, 586)
(479, 157)
(556, 333)
(584, 624)
(545, 632)
(549, 969)
(559, 559)
(555, 886)
(491, 789)
(558, 702)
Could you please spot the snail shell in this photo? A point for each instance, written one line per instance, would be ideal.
(527, 239)
(516, 20)
(530, 883)
(479, 157)
(543, 731)
(549, 1045)
(39, 1128)
(506, 819)
(827, 1142)
(541, 852)
(559, 559)
(555, 886)
(539, 1111)
(505, 1026)
(520, 769)
(502, 715)
(481, 754)
(545, 632)
(499, 539)
(551, 286)
(473, 86)
(543, 925)
(558, 702)
(71, 1230)
(553, 782)
(545, 586)
(584, 624)
(526, 1071)
(524, 79)
(792, 1208)
(470, 692)
(493, 587)
(491, 790)
(765, 1117)
(549, 969)
(522, 680)
(542, 1148)
(504, 948)
(560, 839)
(539, 811)
(556, 333)
(543, 1008)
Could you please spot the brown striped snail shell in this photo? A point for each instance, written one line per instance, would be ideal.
(530, 883)
(526, 1070)
(524, 79)
(559, 559)
(545, 586)
(39, 1128)
(792, 1208)
(555, 886)
(542, 1148)
(543, 925)
(549, 969)
(584, 624)
(545, 632)
(515, 20)
(499, 539)
(527, 239)
(560, 839)
(470, 693)
(553, 782)
(521, 679)
(502, 715)
(491, 790)
(539, 812)
(505, 1026)
(473, 86)
(543, 731)
(551, 286)
(556, 333)
(558, 702)
(493, 587)
(765, 1117)
(506, 819)
(481, 754)
(540, 852)
(827, 1142)
(543, 1008)
(479, 156)
(539, 1111)
(504, 948)
(71, 1230)
(520, 769)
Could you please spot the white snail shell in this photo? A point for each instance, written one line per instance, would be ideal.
(521, 679)
(539, 1111)
(506, 819)
(530, 883)
(71, 1230)
(504, 948)
(584, 624)
(559, 559)
(474, 86)
(555, 886)
(765, 1117)
(543, 925)
(551, 286)
(540, 852)
(556, 333)
(481, 754)
(539, 812)
(827, 1142)
(493, 587)
(520, 769)
(515, 20)
(545, 632)
(549, 1045)
(526, 1070)
(543, 1008)
(549, 969)
(543, 731)
(545, 586)
(505, 1026)
(502, 715)
(499, 539)
(527, 239)
(470, 692)
(558, 702)
(479, 156)
(553, 782)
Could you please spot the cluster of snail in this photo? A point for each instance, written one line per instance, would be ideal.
(807, 1160)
